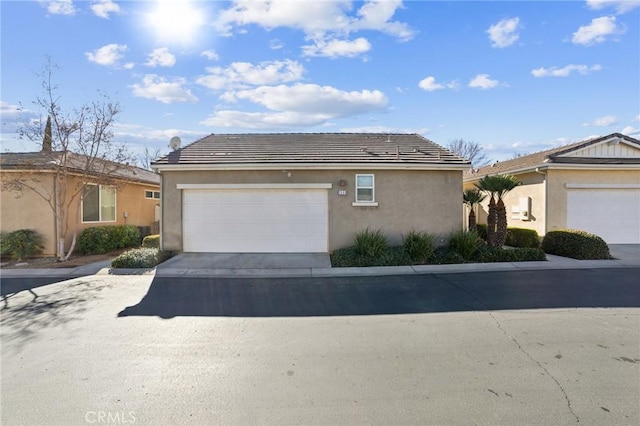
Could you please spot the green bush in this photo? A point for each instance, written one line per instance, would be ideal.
(371, 243)
(418, 246)
(21, 244)
(445, 256)
(141, 258)
(521, 237)
(465, 243)
(481, 229)
(151, 241)
(350, 257)
(575, 244)
(497, 254)
(4, 248)
(105, 239)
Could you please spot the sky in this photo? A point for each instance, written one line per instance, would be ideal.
(514, 76)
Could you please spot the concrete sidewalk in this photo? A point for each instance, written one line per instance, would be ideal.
(316, 265)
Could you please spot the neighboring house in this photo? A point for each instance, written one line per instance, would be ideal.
(305, 192)
(131, 197)
(593, 185)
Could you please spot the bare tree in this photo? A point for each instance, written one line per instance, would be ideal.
(470, 150)
(77, 150)
(147, 157)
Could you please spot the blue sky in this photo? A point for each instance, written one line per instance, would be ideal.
(516, 77)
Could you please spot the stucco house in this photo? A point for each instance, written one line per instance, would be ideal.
(305, 192)
(592, 185)
(116, 194)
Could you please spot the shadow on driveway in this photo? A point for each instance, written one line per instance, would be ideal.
(293, 297)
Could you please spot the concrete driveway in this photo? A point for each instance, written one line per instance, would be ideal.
(247, 261)
(629, 252)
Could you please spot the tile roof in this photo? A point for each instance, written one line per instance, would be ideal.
(313, 148)
(531, 161)
(77, 162)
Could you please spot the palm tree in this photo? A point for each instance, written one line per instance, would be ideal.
(471, 197)
(497, 187)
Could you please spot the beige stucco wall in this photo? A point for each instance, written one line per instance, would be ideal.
(408, 200)
(30, 211)
(557, 212)
(27, 210)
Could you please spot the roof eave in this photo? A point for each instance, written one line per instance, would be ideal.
(555, 166)
(159, 168)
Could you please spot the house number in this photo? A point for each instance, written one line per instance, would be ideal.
(342, 192)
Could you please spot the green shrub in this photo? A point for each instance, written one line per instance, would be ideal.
(105, 239)
(481, 229)
(445, 256)
(418, 246)
(521, 237)
(371, 243)
(151, 241)
(350, 257)
(141, 258)
(22, 244)
(4, 248)
(497, 254)
(575, 244)
(465, 243)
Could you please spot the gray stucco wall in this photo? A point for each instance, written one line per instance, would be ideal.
(428, 201)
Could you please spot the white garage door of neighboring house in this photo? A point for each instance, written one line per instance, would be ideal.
(613, 214)
(255, 220)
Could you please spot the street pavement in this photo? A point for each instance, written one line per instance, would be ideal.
(522, 347)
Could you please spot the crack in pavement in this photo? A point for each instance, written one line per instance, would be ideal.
(514, 340)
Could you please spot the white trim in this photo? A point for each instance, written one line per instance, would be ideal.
(254, 186)
(364, 204)
(602, 185)
(372, 188)
(306, 166)
(115, 204)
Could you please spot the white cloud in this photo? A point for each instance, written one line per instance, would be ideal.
(565, 71)
(103, 8)
(275, 44)
(161, 57)
(621, 6)
(61, 7)
(384, 129)
(314, 99)
(638, 117)
(160, 89)
(482, 81)
(604, 121)
(504, 33)
(296, 106)
(337, 48)
(210, 55)
(597, 31)
(241, 74)
(429, 84)
(107, 55)
(136, 131)
(315, 18)
(631, 131)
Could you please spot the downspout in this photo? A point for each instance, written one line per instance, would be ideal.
(546, 199)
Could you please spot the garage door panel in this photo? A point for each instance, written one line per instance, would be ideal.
(255, 220)
(614, 215)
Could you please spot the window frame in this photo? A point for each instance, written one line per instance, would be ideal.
(153, 194)
(115, 204)
(372, 187)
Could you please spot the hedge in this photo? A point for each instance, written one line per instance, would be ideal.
(521, 237)
(21, 244)
(576, 244)
(151, 241)
(105, 239)
(141, 258)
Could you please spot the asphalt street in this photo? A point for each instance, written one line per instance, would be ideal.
(529, 347)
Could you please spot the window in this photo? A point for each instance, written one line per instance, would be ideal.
(152, 194)
(99, 204)
(365, 189)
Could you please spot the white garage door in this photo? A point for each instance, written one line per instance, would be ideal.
(613, 214)
(255, 220)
